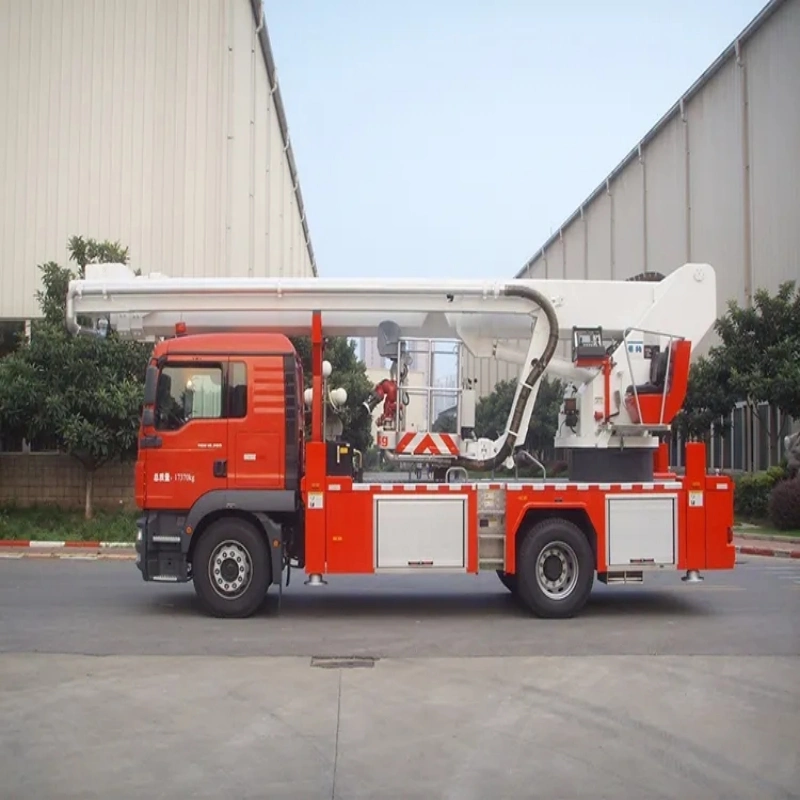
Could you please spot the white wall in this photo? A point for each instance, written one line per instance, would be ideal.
(154, 123)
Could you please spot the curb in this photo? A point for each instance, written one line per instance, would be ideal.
(20, 544)
(74, 550)
(772, 552)
(16, 556)
(760, 537)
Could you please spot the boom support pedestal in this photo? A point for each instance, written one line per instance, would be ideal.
(611, 465)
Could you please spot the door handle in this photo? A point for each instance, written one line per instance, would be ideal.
(221, 469)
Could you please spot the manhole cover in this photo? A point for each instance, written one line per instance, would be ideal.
(342, 662)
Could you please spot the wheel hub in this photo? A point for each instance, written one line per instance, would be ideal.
(553, 568)
(557, 570)
(230, 569)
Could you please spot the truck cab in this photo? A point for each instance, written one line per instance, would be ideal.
(222, 433)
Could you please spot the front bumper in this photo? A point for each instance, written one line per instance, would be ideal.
(160, 555)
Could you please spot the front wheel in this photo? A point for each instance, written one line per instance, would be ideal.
(231, 568)
(555, 569)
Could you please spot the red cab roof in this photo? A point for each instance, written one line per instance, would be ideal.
(222, 343)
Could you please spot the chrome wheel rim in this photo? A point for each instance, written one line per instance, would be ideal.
(230, 569)
(557, 570)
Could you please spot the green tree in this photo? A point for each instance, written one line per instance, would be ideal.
(756, 361)
(544, 420)
(492, 410)
(761, 348)
(491, 414)
(709, 400)
(79, 395)
(349, 373)
(12, 333)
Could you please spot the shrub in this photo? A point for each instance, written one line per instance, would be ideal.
(784, 505)
(752, 492)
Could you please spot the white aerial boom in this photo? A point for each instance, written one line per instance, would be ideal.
(520, 321)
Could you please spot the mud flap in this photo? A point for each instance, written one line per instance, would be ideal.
(274, 533)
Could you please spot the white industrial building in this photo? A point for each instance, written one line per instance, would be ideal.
(158, 124)
(716, 180)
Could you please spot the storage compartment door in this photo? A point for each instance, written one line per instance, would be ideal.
(420, 532)
(641, 530)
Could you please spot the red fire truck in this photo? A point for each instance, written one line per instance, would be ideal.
(234, 494)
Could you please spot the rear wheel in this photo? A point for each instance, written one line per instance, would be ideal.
(555, 569)
(231, 568)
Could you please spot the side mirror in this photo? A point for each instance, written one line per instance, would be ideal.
(150, 385)
(148, 418)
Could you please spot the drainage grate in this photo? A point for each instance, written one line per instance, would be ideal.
(342, 662)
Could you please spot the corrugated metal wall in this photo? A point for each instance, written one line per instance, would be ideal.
(155, 123)
(717, 181)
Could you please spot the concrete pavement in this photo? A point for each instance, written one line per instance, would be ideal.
(113, 688)
(597, 727)
(104, 608)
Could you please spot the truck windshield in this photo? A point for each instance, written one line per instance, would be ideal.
(186, 392)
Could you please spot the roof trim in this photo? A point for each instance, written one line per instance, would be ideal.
(729, 52)
(257, 7)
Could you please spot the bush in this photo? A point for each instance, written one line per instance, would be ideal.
(51, 523)
(752, 492)
(784, 505)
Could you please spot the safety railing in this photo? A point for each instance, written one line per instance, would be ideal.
(671, 337)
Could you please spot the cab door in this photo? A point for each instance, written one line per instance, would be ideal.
(258, 390)
(187, 444)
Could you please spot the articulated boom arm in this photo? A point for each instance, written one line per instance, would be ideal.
(516, 320)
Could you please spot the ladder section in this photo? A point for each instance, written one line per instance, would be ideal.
(491, 527)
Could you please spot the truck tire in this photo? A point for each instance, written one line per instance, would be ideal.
(555, 569)
(509, 581)
(231, 568)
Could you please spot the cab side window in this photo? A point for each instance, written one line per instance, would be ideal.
(237, 390)
(186, 392)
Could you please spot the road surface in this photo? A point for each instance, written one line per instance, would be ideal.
(110, 687)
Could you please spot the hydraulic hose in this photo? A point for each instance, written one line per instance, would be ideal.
(538, 366)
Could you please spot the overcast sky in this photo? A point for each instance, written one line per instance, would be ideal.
(451, 137)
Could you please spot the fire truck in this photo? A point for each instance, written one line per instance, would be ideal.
(236, 490)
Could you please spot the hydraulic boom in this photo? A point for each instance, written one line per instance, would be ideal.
(623, 390)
